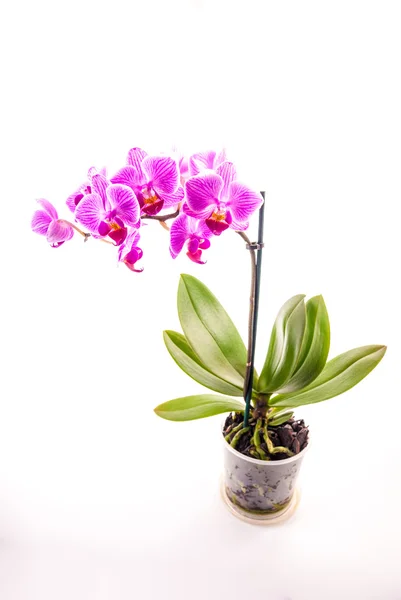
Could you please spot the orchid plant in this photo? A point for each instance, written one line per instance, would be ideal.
(203, 198)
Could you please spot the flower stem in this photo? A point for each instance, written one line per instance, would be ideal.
(163, 218)
(85, 234)
(256, 272)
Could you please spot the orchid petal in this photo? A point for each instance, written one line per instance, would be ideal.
(132, 267)
(94, 171)
(76, 197)
(204, 244)
(203, 231)
(133, 238)
(40, 222)
(100, 185)
(91, 212)
(203, 192)
(73, 199)
(128, 176)
(162, 173)
(118, 235)
(196, 215)
(48, 208)
(132, 256)
(228, 173)
(179, 233)
(124, 201)
(197, 257)
(59, 232)
(153, 208)
(173, 199)
(135, 158)
(193, 245)
(201, 161)
(220, 158)
(237, 226)
(183, 165)
(243, 201)
(217, 227)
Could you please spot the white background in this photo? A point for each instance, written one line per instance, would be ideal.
(98, 498)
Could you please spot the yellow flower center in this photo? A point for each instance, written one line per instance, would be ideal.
(218, 215)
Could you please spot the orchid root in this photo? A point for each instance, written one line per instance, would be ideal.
(238, 436)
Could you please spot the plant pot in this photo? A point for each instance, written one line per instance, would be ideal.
(260, 490)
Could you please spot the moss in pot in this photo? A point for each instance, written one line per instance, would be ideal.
(264, 444)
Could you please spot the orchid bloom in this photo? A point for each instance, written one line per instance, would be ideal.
(86, 188)
(219, 200)
(202, 161)
(190, 231)
(46, 222)
(109, 210)
(129, 253)
(154, 179)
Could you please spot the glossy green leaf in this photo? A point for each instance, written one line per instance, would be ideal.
(315, 347)
(197, 407)
(285, 345)
(280, 417)
(339, 375)
(188, 361)
(210, 331)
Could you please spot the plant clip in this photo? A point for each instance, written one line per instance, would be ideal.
(255, 246)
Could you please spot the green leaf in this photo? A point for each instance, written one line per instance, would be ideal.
(197, 407)
(339, 375)
(187, 360)
(210, 331)
(280, 417)
(315, 347)
(285, 345)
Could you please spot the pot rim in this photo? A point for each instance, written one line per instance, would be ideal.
(258, 461)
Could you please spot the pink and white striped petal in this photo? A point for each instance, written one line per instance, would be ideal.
(173, 199)
(243, 201)
(135, 158)
(40, 222)
(203, 193)
(128, 176)
(48, 208)
(162, 173)
(100, 185)
(180, 231)
(228, 173)
(59, 232)
(90, 212)
(125, 203)
(200, 161)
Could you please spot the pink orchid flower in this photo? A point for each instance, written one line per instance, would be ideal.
(46, 222)
(219, 200)
(154, 179)
(129, 252)
(195, 234)
(109, 210)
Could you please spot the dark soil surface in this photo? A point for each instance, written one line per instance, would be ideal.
(292, 435)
